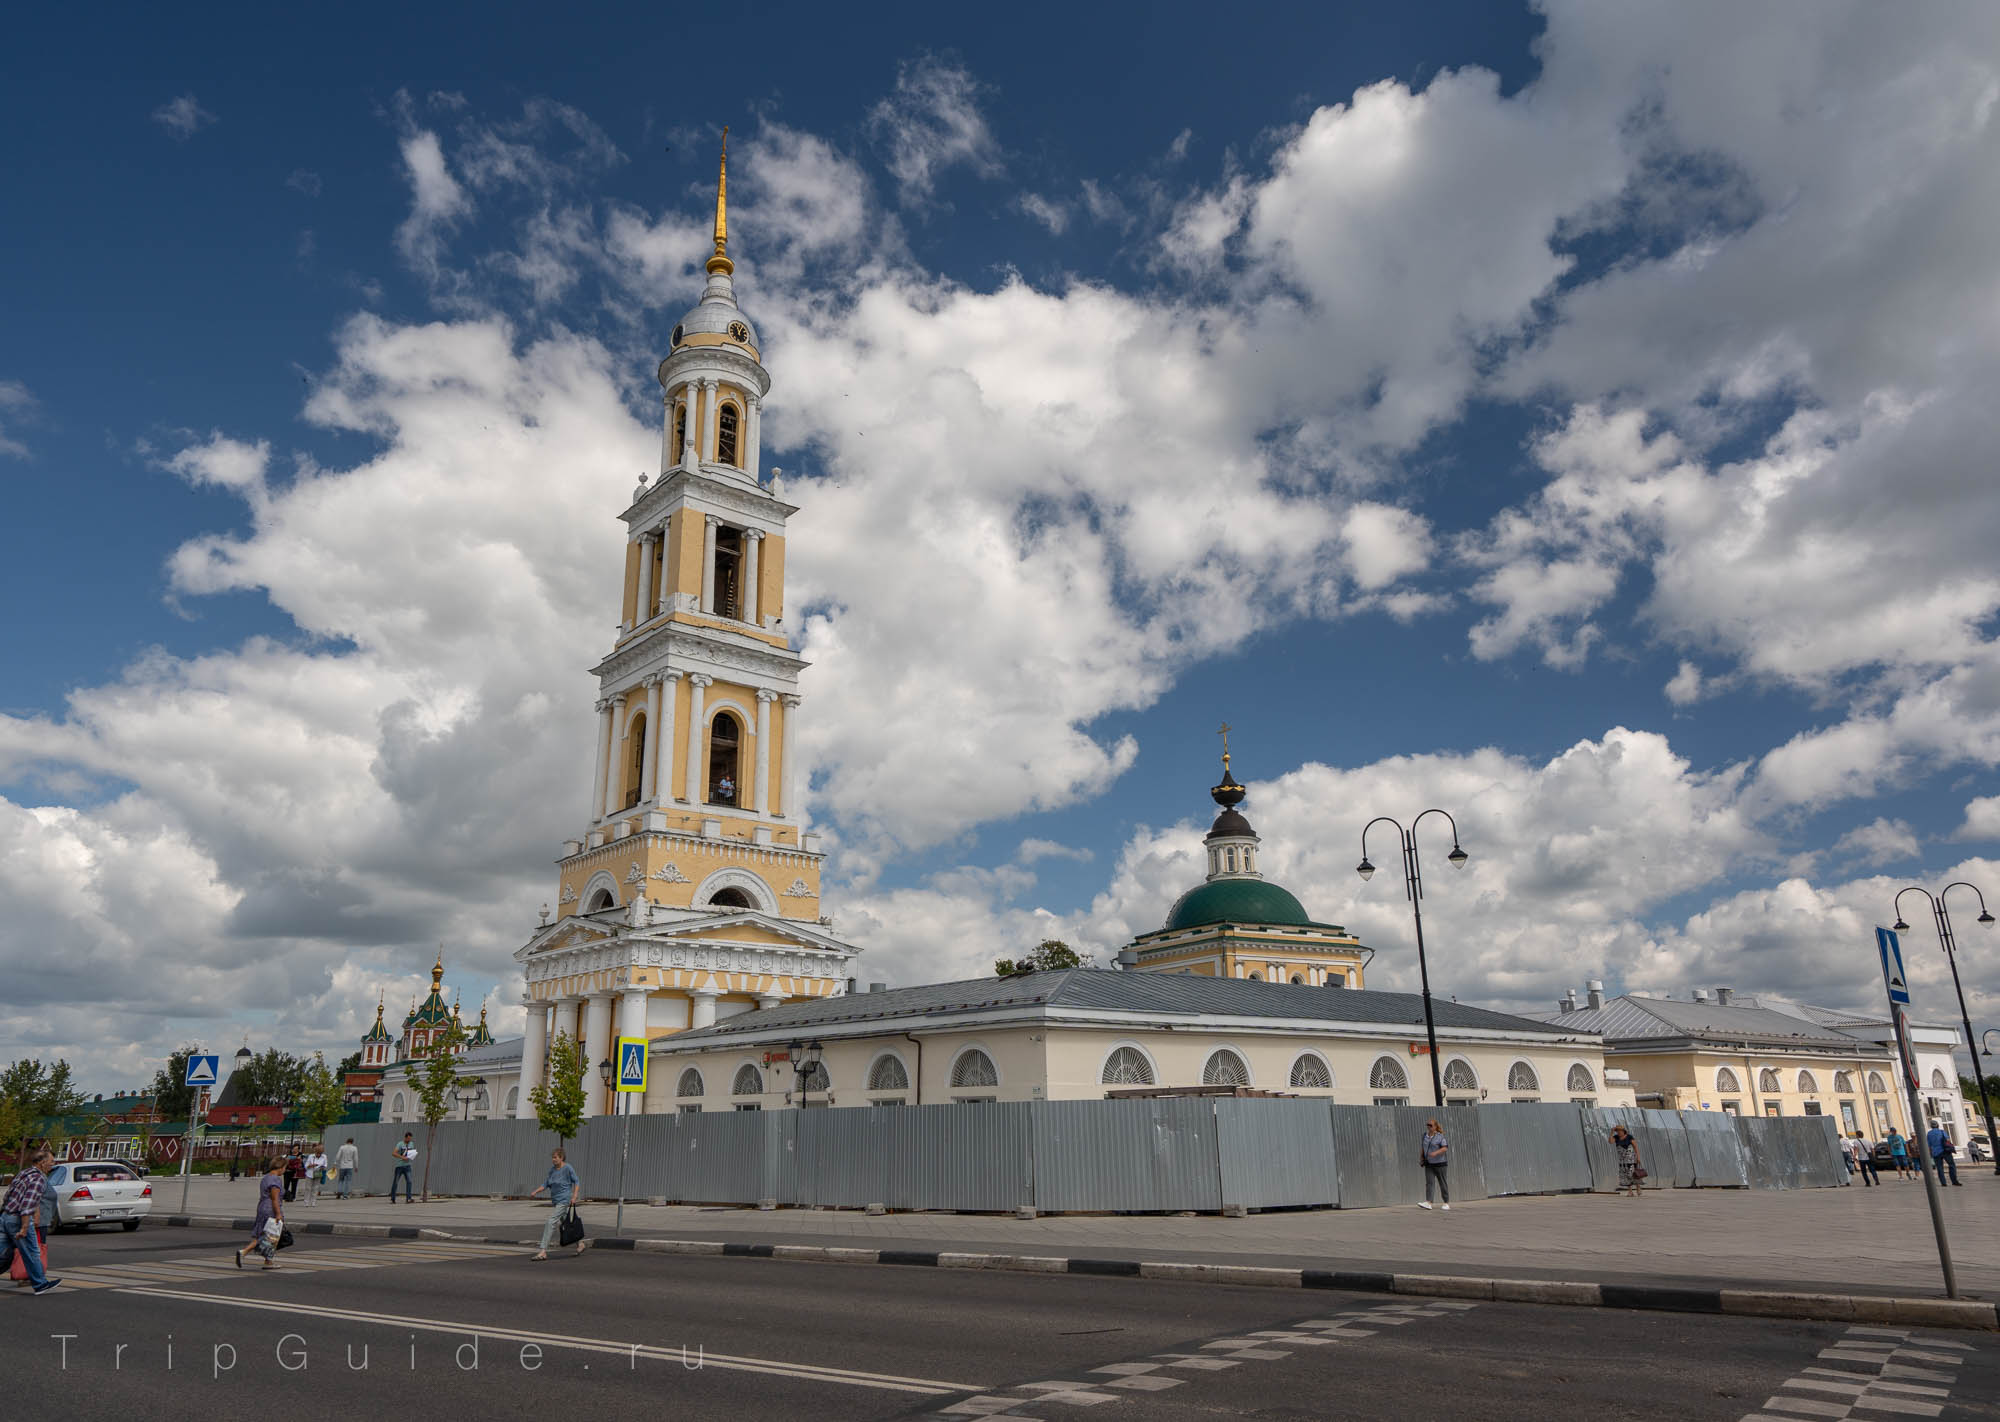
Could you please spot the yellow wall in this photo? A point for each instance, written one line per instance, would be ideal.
(1687, 1080)
(631, 599)
(771, 577)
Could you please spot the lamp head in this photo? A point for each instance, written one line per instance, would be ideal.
(1985, 918)
(604, 1071)
(1364, 868)
(1457, 857)
(1899, 926)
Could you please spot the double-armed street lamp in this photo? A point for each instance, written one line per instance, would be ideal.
(1413, 885)
(807, 1070)
(1950, 945)
(468, 1092)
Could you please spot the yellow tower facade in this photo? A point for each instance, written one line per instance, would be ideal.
(692, 891)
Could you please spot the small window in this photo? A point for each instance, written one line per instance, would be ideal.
(974, 1068)
(749, 1081)
(690, 1083)
(1725, 1080)
(1938, 1083)
(692, 1108)
(1732, 1108)
(1458, 1076)
(749, 1106)
(600, 901)
(397, 1108)
(1807, 1083)
(1225, 1068)
(680, 432)
(1301, 982)
(1126, 1067)
(725, 437)
(1843, 1081)
(814, 1078)
(1256, 977)
(1767, 1080)
(1311, 1073)
(1521, 1077)
(888, 1074)
(1229, 861)
(1875, 1084)
(1580, 1078)
(1388, 1075)
(513, 1099)
(725, 738)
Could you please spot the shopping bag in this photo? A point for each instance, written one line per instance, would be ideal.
(284, 1239)
(274, 1229)
(572, 1228)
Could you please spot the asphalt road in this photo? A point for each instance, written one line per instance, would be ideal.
(160, 1325)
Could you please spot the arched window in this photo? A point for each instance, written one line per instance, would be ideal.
(1521, 1077)
(635, 759)
(731, 898)
(725, 739)
(1725, 1080)
(888, 1074)
(396, 1108)
(1876, 1085)
(726, 443)
(1580, 1078)
(1458, 1076)
(1807, 1083)
(1311, 1073)
(1938, 1083)
(681, 428)
(1843, 1081)
(974, 1068)
(1126, 1067)
(690, 1084)
(814, 1078)
(1298, 980)
(600, 901)
(481, 1104)
(1387, 1075)
(513, 1099)
(1225, 1068)
(1229, 861)
(749, 1081)
(1256, 977)
(1767, 1080)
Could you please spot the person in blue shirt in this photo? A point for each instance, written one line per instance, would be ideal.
(563, 1187)
(1943, 1151)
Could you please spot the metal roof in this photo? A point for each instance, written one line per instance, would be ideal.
(1631, 1018)
(1162, 995)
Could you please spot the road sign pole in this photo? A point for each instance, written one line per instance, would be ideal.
(624, 1148)
(1897, 983)
(187, 1149)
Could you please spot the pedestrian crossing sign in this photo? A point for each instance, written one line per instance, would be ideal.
(201, 1070)
(631, 1063)
(1892, 966)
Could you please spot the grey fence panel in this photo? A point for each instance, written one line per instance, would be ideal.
(1533, 1149)
(1380, 1153)
(860, 1156)
(1661, 1138)
(1156, 1154)
(1715, 1149)
(975, 1156)
(1275, 1153)
(1768, 1164)
(1799, 1151)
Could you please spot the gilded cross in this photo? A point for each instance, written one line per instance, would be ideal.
(1224, 733)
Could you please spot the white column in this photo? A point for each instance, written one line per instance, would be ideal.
(613, 781)
(752, 449)
(632, 1023)
(644, 611)
(534, 1053)
(669, 456)
(563, 1021)
(649, 774)
(753, 540)
(599, 1046)
(603, 750)
(711, 405)
(762, 804)
(701, 1006)
(693, 434)
(789, 803)
(664, 736)
(711, 524)
(696, 698)
(767, 1000)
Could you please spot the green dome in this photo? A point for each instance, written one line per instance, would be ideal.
(1236, 901)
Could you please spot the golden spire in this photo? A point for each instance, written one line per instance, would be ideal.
(437, 971)
(1224, 733)
(719, 264)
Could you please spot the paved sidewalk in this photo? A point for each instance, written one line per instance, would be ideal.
(1851, 1241)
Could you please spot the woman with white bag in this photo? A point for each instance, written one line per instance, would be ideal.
(269, 1227)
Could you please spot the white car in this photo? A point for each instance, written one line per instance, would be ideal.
(92, 1192)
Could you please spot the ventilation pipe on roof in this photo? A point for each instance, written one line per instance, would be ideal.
(1568, 1003)
(1724, 996)
(1701, 994)
(1128, 959)
(1596, 994)
(878, 987)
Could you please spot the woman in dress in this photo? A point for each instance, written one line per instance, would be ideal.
(563, 1188)
(270, 1206)
(1627, 1147)
(1436, 1157)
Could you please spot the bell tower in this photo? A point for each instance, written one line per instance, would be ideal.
(692, 888)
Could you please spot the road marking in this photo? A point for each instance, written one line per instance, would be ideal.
(1871, 1389)
(808, 1371)
(203, 1268)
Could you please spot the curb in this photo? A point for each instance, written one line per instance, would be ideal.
(1751, 1303)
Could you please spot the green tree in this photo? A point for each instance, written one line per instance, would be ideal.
(323, 1099)
(437, 1082)
(15, 1124)
(270, 1078)
(173, 1098)
(39, 1090)
(348, 1063)
(559, 1100)
(1050, 955)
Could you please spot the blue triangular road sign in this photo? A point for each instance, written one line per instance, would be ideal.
(201, 1071)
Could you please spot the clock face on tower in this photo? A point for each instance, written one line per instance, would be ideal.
(738, 331)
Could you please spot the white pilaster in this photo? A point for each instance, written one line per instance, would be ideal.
(762, 803)
(613, 781)
(696, 699)
(701, 1006)
(789, 804)
(768, 1000)
(663, 735)
(603, 750)
(669, 456)
(534, 1053)
(649, 774)
(753, 541)
(644, 612)
(710, 525)
(692, 431)
(711, 405)
(564, 1019)
(598, 1047)
(753, 448)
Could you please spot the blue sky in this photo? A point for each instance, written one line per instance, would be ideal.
(1565, 415)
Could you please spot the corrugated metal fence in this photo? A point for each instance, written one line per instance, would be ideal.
(1185, 1153)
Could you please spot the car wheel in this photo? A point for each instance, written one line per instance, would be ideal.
(129, 1225)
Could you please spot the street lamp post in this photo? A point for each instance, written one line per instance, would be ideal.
(805, 1068)
(1950, 945)
(607, 1073)
(1413, 885)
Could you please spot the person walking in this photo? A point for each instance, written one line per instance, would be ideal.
(406, 1155)
(45, 1217)
(1944, 1153)
(1630, 1173)
(1847, 1156)
(1864, 1159)
(1436, 1156)
(293, 1170)
(563, 1188)
(315, 1175)
(344, 1162)
(21, 1219)
(270, 1206)
(1899, 1153)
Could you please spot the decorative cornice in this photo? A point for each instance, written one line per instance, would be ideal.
(674, 642)
(736, 495)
